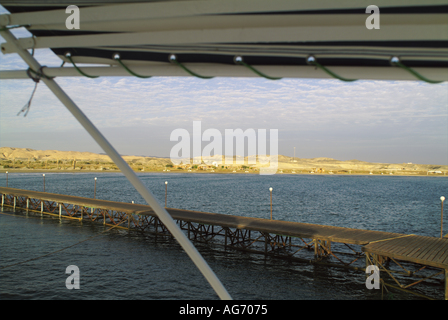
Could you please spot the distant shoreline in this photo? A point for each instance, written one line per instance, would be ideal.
(41, 161)
(216, 172)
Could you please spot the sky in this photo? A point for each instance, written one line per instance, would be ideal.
(375, 121)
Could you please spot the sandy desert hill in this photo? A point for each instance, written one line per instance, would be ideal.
(8, 153)
(284, 162)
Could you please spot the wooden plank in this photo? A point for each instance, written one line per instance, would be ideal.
(411, 249)
(386, 238)
(438, 250)
(414, 247)
(344, 234)
(444, 249)
(428, 249)
(417, 249)
(410, 259)
(443, 258)
(417, 254)
(396, 246)
(369, 235)
(333, 231)
(381, 246)
(348, 238)
(445, 261)
(415, 243)
(443, 254)
(365, 236)
(422, 257)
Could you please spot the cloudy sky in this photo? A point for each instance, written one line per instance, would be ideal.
(377, 121)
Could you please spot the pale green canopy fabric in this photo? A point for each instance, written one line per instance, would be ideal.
(215, 33)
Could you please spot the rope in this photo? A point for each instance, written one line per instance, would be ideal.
(40, 74)
(26, 107)
(36, 79)
(239, 60)
(69, 57)
(117, 57)
(173, 59)
(396, 62)
(312, 61)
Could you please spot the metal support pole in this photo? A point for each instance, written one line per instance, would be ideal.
(446, 284)
(6, 179)
(266, 240)
(166, 191)
(188, 224)
(94, 190)
(27, 204)
(60, 212)
(41, 208)
(166, 219)
(14, 203)
(225, 239)
(442, 198)
(270, 189)
(367, 263)
(44, 180)
(3, 200)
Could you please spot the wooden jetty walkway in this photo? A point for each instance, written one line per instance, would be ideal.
(319, 244)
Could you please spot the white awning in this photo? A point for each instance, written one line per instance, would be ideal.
(212, 34)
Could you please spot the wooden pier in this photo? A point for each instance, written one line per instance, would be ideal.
(401, 257)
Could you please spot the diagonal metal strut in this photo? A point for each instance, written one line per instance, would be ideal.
(163, 215)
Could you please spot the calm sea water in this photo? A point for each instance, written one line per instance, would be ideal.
(122, 265)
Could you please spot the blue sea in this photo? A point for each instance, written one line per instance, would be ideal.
(122, 265)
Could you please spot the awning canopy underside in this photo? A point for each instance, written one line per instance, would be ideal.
(260, 32)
